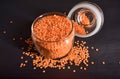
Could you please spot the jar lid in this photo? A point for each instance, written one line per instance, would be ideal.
(88, 15)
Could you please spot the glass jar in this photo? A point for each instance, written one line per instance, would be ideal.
(94, 14)
(53, 48)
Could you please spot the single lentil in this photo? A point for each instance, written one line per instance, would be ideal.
(74, 70)
(34, 68)
(13, 39)
(20, 38)
(22, 48)
(26, 61)
(68, 67)
(21, 57)
(81, 68)
(4, 31)
(43, 71)
(85, 68)
(119, 62)
(103, 62)
(92, 62)
(97, 49)
(92, 47)
(11, 22)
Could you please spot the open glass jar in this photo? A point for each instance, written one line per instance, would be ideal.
(94, 15)
(53, 33)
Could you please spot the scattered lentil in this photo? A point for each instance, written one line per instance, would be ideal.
(20, 38)
(81, 68)
(22, 48)
(11, 22)
(92, 47)
(43, 71)
(87, 32)
(103, 62)
(34, 68)
(97, 49)
(85, 68)
(21, 57)
(92, 62)
(26, 61)
(4, 31)
(74, 70)
(63, 68)
(13, 39)
(68, 67)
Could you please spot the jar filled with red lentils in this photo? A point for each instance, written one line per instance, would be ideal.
(53, 34)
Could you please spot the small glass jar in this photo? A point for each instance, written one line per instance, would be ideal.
(53, 49)
(93, 12)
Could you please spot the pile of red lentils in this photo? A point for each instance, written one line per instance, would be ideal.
(78, 54)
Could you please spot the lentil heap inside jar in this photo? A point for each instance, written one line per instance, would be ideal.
(53, 35)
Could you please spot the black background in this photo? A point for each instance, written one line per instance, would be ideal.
(23, 12)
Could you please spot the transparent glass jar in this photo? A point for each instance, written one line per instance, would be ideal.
(93, 12)
(53, 49)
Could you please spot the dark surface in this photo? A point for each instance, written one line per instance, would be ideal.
(22, 13)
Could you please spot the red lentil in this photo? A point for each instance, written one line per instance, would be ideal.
(11, 22)
(13, 39)
(20, 38)
(81, 68)
(74, 70)
(4, 31)
(26, 61)
(68, 67)
(92, 62)
(21, 57)
(43, 71)
(34, 68)
(22, 48)
(85, 68)
(103, 62)
(92, 47)
(97, 49)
